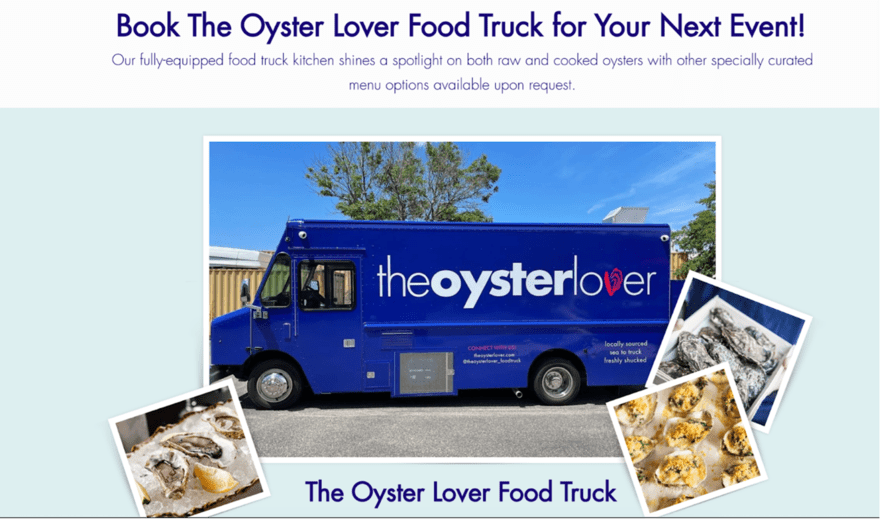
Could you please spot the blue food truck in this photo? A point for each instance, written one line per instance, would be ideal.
(421, 308)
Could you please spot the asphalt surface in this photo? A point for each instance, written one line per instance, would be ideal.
(474, 424)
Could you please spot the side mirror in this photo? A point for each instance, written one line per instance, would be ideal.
(245, 291)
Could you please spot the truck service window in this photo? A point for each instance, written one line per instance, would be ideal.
(276, 290)
(326, 285)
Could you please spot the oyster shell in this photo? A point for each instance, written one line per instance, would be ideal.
(681, 468)
(721, 318)
(743, 344)
(687, 396)
(674, 369)
(736, 441)
(684, 433)
(728, 405)
(710, 334)
(749, 377)
(639, 447)
(637, 412)
(691, 352)
(641, 475)
(171, 470)
(226, 423)
(207, 446)
(768, 348)
(739, 472)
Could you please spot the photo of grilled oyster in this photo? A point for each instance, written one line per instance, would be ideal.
(682, 456)
(225, 423)
(691, 352)
(639, 447)
(685, 433)
(687, 396)
(171, 470)
(637, 412)
(200, 445)
(681, 468)
(739, 472)
(736, 441)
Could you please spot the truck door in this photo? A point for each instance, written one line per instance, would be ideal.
(328, 324)
(273, 326)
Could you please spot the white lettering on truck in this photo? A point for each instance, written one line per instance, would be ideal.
(539, 283)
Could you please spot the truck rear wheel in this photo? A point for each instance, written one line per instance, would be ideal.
(557, 382)
(275, 384)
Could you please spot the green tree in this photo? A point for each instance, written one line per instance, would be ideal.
(403, 181)
(697, 238)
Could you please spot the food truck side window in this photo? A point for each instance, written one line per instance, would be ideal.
(276, 290)
(326, 285)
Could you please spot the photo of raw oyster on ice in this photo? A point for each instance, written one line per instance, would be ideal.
(719, 323)
(191, 455)
(685, 441)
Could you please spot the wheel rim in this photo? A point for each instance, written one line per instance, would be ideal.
(274, 385)
(557, 382)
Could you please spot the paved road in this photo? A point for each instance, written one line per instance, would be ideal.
(484, 423)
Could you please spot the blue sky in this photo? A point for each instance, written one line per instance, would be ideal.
(255, 187)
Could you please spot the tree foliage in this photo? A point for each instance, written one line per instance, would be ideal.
(404, 181)
(697, 238)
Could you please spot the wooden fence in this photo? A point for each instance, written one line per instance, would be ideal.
(225, 286)
(675, 262)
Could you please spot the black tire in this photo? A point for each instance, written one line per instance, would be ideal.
(275, 384)
(557, 382)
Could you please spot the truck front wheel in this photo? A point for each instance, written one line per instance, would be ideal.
(556, 382)
(275, 384)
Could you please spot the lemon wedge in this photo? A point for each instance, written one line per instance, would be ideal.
(145, 497)
(214, 480)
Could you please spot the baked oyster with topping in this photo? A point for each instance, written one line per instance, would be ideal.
(225, 423)
(736, 441)
(684, 433)
(728, 405)
(691, 352)
(739, 472)
(209, 447)
(687, 396)
(641, 475)
(171, 470)
(681, 468)
(637, 412)
(719, 378)
(639, 447)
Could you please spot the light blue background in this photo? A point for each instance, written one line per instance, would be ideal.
(102, 262)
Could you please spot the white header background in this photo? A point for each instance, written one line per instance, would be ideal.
(103, 218)
(61, 54)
